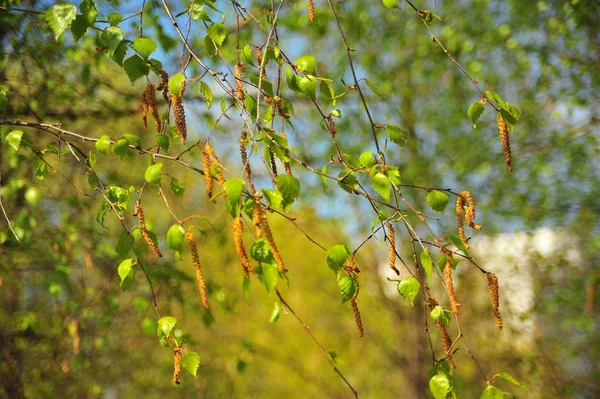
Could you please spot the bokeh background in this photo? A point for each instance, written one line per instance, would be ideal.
(68, 329)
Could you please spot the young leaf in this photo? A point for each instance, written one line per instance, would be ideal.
(491, 392)
(123, 244)
(440, 314)
(391, 4)
(347, 286)
(114, 18)
(144, 46)
(459, 244)
(260, 251)
(474, 112)
(175, 237)
(276, 313)
(165, 326)
(250, 103)
(163, 141)
(426, 263)
(79, 27)
(234, 188)
(153, 173)
(198, 13)
(382, 185)
(268, 275)
(374, 87)
(124, 269)
(408, 289)
(366, 159)
(246, 289)
(14, 139)
(495, 97)
(177, 187)
(308, 86)
(217, 32)
(289, 187)
(175, 83)
(60, 17)
(190, 361)
(89, 10)
(439, 385)
(40, 168)
(135, 68)
(206, 93)
(337, 256)
(306, 64)
(397, 134)
(246, 55)
(510, 379)
(437, 200)
(273, 197)
(112, 37)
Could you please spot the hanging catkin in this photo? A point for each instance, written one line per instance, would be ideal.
(139, 212)
(198, 267)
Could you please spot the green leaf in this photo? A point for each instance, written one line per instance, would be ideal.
(337, 256)
(163, 141)
(123, 244)
(393, 174)
(382, 185)
(511, 115)
(491, 392)
(373, 87)
(175, 237)
(135, 68)
(133, 140)
(366, 159)
(14, 139)
(509, 395)
(495, 97)
(443, 260)
(260, 251)
(125, 268)
(308, 86)
(349, 180)
(306, 64)
(153, 173)
(217, 32)
(206, 93)
(437, 200)
(175, 83)
(273, 197)
(440, 314)
(276, 313)
(426, 263)
(250, 103)
(509, 378)
(40, 168)
(246, 55)
(268, 275)
(144, 46)
(190, 361)
(165, 326)
(234, 188)
(474, 112)
(439, 385)
(3, 98)
(177, 187)
(408, 289)
(397, 134)
(120, 147)
(79, 27)
(459, 244)
(289, 187)
(60, 17)
(89, 9)
(246, 289)
(119, 54)
(348, 287)
(114, 18)
(112, 37)
(198, 13)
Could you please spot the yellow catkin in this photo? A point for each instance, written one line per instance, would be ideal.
(465, 201)
(392, 246)
(256, 216)
(179, 113)
(177, 356)
(152, 106)
(495, 297)
(450, 285)
(238, 227)
(311, 11)
(505, 141)
(288, 168)
(273, 164)
(239, 91)
(139, 212)
(460, 203)
(217, 165)
(245, 161)
(145, 107)
(264, 224)
(470, 215)
(164, 85)
(446, 343)
(198, 267)
(357, 318)
(331, 126)
(206, 162)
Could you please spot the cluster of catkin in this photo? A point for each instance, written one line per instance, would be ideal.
(465, 202)
(311, 11)
(238, 227)
(350, 269)
(149, 104)
(445, 337)
(239, 91)
(450, 283)
(211, 161)
(198, 267)
(505, 141)
(392, 246)
(139, 212)
(494, 297)
(179, 112)
(177, 356)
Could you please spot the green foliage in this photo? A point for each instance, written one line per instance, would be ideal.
(397, 134)
(191, 361)
(408, 289)
(153, 173)
(60, 17)
(233, 189)
(437, 200)
(440, 314)
(175, 83)
(276, 313)
(337, 256)
(426, 263)
(14, 139)
(491, 392)
(474, 112)
(175, 237)
(144, 46)
(289, 187)
(348, 287)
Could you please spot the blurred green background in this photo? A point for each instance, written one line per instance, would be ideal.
(68, 329)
